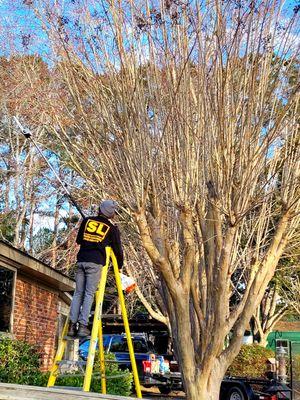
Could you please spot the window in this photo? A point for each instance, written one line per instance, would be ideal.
(119, 344)
(6, 298)
(282, 343)
(106, 340)
(139, 346)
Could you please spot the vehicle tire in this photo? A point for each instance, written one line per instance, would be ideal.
(165, 389)
(235, 393)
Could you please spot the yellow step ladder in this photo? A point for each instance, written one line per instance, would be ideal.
(97, 336)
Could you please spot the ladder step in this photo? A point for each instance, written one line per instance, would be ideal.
(94, 374)
(76, 337)
(71, 362)
(109, 316)
(118, 376)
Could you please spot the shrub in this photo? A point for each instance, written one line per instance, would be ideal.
(19, 362)
(296, 367)
(251, 361)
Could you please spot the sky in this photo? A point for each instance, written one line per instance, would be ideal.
(21, 32)
(17, 21)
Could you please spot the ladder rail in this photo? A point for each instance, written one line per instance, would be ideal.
(126, 326)
(59, 355)
(96, 322)
(100, 331)
(102, 358)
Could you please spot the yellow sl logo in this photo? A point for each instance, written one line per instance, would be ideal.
(97, 227)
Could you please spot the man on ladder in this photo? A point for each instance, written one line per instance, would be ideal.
(95, 233)
(100, 244)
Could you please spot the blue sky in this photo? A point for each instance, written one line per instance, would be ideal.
(21, 32)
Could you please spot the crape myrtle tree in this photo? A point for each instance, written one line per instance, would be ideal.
(179, 112)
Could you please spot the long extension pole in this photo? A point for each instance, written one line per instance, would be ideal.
(28, 135)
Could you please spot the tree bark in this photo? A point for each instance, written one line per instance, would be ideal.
(263, 339)
(199, 384)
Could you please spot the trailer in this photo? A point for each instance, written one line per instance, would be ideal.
(232, 388)
(238, 388)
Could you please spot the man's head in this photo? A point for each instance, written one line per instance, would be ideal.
(108, 208)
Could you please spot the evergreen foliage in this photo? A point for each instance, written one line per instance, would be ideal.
(19, 362)
(251, 362)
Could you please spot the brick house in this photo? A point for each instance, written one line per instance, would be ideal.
(33, 301)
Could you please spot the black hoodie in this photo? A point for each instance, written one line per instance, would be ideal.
(95, 233)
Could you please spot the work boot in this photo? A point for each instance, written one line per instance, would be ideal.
(72, 331)
(83, 331)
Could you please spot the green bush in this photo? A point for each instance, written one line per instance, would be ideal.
(19, 362)
(40, 379)
(121, 385)
(296, 367)
(118, 386)
(251, 361)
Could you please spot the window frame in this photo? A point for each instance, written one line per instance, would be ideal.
(11, 319)
(278, 345)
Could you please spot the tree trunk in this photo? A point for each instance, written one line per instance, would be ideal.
(19, 228)
(206, 386)
(199, 385)
(263, 339)
(7, 194)
(31, 223)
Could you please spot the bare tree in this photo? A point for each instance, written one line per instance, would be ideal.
(268, 313)
(22, 81)
(181, 111)
(18, 180)
(289, 288)
(282, 296)
(27, 186)
(294, 293)
(149, 289)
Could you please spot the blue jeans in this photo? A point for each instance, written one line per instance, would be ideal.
(87, 278)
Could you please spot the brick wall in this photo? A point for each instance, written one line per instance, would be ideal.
(35, 318)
